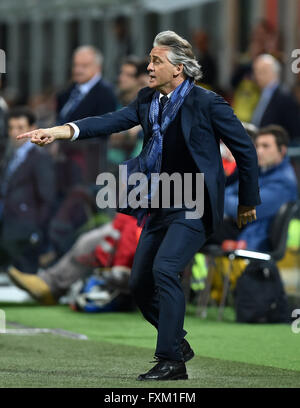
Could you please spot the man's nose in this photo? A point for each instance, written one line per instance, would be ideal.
(259, 153)
(150, 66)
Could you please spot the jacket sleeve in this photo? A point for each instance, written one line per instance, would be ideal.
(112, 122)
(229, 129)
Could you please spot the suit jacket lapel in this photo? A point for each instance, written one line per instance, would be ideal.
(186, 110)
(87, 98)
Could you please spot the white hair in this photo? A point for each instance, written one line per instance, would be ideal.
(94, 50)
(180, 52)
(273, 61)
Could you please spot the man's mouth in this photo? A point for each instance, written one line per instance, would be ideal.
(152, 77)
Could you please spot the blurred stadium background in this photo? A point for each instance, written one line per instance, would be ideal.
(39, 37)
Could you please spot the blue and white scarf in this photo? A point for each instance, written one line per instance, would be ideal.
(150, 158)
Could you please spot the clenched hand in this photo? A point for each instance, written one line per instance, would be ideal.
(245, 214)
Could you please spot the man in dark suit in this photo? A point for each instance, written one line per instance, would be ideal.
(26, 197)
(277, 105)
(191, 124)
(88, 95)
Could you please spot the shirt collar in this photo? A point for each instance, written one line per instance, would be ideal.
(24, 148)
(20, 153)
(169, 95)
(87, 86)
(271, 87)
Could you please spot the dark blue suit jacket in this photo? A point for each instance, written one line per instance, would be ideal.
(99, 100)
(283, 110)
(206, 118)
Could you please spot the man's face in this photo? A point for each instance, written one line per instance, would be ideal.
(127, 78)
(17, 126)
(161, 71)
(268, 153)
(84, 66)
(263, 73)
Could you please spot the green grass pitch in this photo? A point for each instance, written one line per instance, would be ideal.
(120, 346)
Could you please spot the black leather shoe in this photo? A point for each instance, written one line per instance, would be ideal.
(187, 351)
(166, 370)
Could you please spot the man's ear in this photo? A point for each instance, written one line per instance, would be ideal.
(283, 150)
(32, 127)
(178, 70)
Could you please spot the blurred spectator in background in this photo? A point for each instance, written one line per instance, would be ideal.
(3, 130)
(74, 204)
(89, 95)
(67, 173)
(122, 44)
(277, 183)
(12, 97)
(112, 246)
(43, 106)
(3, 111)
(121, 31)
(27, 193)
(266, 39)
(296, 91)
(246, 92)
(205, 59)
(128, 84)
(229, 164)
(276, 104)
(143, 74)
(124, 145)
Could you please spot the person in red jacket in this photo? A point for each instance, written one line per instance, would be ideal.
(112, 246)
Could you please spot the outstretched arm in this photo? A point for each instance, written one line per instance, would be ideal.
(123, 119)
(43, 137)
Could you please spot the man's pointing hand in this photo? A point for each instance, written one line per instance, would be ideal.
(43, 137)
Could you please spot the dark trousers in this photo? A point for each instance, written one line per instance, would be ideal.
(167, 244)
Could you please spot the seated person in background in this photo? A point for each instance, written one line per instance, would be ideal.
(112, 245)
(127, 144)
(27, 194)
(229, 164)
(278, 185)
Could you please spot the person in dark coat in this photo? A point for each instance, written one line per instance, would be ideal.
(277, 105)
(27, 194)
(182, 124)
(88, 95)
